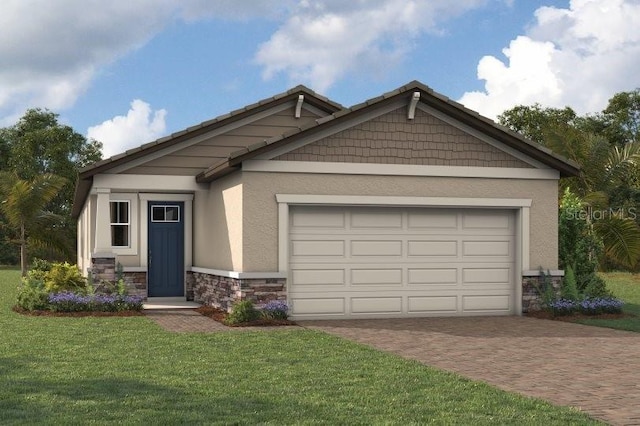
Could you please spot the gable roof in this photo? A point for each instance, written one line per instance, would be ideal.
(85, 175)
(429, 97)
(337, 114)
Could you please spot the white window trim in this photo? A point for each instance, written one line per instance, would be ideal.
(165, 214)
(520, 205)
(132, 199)
(127, 223)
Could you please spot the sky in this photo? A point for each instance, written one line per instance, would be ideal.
(126, 72)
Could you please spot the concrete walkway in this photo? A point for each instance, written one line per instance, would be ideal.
(594, 369)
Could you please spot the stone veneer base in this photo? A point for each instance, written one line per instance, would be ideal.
(222, 292)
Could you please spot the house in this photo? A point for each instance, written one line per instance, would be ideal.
(408, 205)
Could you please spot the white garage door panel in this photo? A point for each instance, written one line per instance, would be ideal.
(432, 304)
(318, 306)
(489, 303)
(318, 276)
(376, 248)
(394, 262)
(422, 276)
(486, 275)
(317, 248)
(376, 276)
(376, 305)
(433, 248)
(486, 248)
(377, 220)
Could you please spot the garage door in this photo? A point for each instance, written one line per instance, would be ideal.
(368, 262)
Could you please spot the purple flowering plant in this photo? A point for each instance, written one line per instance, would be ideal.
(586, 306)
(74, 302)
(275, 309)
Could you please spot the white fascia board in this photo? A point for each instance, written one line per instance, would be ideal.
(471, 131)
(364, 200)
(239, 275)
(197, 139)
(164, 183)
(274, 166)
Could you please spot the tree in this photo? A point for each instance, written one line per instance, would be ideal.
(23, 204)
(609, 181)
(38, 144)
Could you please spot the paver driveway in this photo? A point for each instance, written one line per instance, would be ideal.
(594, 369)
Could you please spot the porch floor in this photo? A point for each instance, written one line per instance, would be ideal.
(160, 304)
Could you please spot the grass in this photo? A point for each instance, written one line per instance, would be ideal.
(128, 370)
(625, 286)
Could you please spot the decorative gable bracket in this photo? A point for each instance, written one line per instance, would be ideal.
(411, 114)
(299, 106)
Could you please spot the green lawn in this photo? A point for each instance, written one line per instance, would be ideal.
(625, 286)
(128, 370)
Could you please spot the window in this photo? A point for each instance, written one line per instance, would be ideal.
(165, 214)
(119, 223)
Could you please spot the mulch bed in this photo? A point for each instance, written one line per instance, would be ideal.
(220, 316)
(575, 317)
(77, 314)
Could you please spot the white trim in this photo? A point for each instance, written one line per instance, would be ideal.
(277, 166)
(473, 132)
(197, 139)
(137, 183)
(146, 196)
(525, 227)
(238, 275)
(134, 269)
(364, 200)
(132, 199)
(331, 130)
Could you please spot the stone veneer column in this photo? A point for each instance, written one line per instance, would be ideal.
(103, 267)
(534, 285)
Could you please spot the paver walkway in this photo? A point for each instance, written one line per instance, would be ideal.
(594, 369)
(190, 321)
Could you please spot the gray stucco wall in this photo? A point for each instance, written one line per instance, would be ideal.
(260, 210)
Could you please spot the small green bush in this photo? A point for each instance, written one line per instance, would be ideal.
(569, 288)
(596, 288)
(243, 311)
(64, 277)
(32, 296)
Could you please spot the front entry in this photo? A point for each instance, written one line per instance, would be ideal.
(166, 249)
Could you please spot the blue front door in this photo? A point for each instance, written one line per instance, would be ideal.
(166, 249)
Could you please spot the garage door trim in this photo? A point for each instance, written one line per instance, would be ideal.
(521, 207)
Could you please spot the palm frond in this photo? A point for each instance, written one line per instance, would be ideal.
(621, 239)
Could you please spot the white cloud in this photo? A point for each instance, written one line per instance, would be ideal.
(50, 51)
(576, 57)
(139, 126)
(323, 40)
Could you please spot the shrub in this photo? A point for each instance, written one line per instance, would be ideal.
(275, 309)
(569, 288)
(32, 295)
(40, 265)
(65, 277)
(596, 287)
(243, 311)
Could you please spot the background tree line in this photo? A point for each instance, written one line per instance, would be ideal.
(40, 159)
(600, 208)
(39, 163)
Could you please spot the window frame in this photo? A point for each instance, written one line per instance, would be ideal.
(112, 224)
(164, 208)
